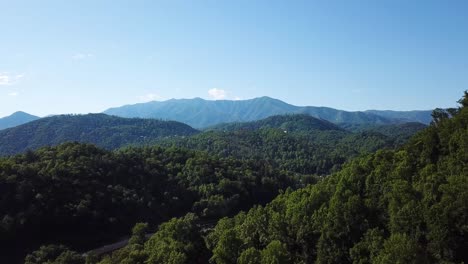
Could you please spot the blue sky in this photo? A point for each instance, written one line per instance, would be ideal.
(87, 56)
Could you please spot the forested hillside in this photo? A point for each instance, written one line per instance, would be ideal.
(395, 206)
(400, 133)
(109, 132)
(83, 196)
(402, 206)
(407, 205)
(288, 123)
(298, 143)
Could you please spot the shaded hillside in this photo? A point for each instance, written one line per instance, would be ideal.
(298, 143)
(105, 131)
(16, 119)
(83, 196)
(201, 113)
(394, 206)
(340, 116)
(288, 123)
(399, 132)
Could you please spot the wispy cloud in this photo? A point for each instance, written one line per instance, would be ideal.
(13, 94)
(9, 78)
(217, 94)
(149, 97)
(82, 56)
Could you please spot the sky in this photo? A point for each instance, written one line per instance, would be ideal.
(86, 56)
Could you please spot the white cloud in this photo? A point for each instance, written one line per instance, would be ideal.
(82, 56)
(149, 97)
(217, 94)
(237, 98)
(4, 79)
(9, 79)
(14, 94)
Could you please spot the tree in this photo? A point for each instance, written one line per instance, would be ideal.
(177, 242)
(275, 253)
(464, 100)
(366, 250)
(250, 256)
(54, 254)
(138, 234)
(439, 115)
(228, 248)
(400, 249)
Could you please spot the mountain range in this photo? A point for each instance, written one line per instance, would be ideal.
(200, 113)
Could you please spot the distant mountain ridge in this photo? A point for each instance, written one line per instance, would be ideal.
(421, 116)
(200, 113)
(109, 132)
(16, 119)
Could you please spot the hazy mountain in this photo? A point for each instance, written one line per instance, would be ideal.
(421, 116)
(203, 113)
(105, 131)
(16, 119)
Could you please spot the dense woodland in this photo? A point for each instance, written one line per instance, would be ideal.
(109, 132)
(298, 143)
(82, 196)
(407, 205)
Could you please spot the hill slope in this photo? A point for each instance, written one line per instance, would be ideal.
(289, 123)
(105, 131)
(395, 206)
(201, 113)
(298, 143)
(16, 119)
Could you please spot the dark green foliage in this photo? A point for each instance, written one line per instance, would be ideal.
(54, 254)
(408, 205)
(105, 131)
(297, 143)
(138, 234)
(402, 206)
(275, 253)
(82, 196)
(177, 241)
(250, 256)
(16, 119)
(400, 248)
(288, 123)
(399, 133)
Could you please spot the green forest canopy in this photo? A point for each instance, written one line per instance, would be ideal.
(395, 206)
(408, 205)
